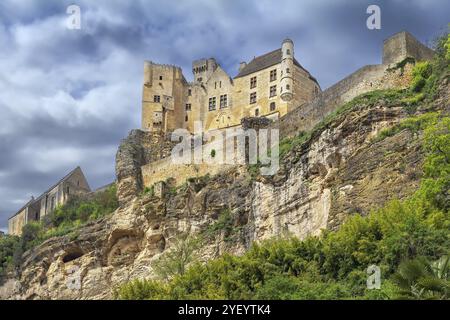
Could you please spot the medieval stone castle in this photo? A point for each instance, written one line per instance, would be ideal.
(273, 86)
(270, 86)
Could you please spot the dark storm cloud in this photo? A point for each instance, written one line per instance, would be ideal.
(68, 97)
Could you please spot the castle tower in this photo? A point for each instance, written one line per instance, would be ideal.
(148, 74)
(162, 98)
(203, 68)
(287, 70)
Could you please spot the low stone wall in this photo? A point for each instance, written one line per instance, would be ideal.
(163, 169)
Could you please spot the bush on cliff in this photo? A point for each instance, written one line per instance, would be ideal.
(7, 246)
(85, 209)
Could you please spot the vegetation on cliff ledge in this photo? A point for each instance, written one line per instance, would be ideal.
(408, 239)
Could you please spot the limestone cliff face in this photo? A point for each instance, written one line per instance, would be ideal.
(339, 172)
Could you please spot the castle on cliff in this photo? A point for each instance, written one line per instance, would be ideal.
(273, 86)
(270, 85)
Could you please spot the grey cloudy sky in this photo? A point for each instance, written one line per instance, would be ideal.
(67, 97)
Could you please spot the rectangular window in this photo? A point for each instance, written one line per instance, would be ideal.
(252, 82)
(160, 77)
(273, 91)
(272, 106)
(189, 92)
(252, 97)
(212, 103)
(188, 107)
(288, 71)
(273, 75)
(156, 99)
(223, 101)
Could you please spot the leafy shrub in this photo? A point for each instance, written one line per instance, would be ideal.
(7, 247)
(419, 279)
(414, 124)
(141, 290)
(83, 209)
(149, 190)
(175, 261)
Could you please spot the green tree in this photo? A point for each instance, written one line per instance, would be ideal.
(175, 261)
(7, 246)
(419, 279)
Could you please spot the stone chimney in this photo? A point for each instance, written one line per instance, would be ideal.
(242, 65)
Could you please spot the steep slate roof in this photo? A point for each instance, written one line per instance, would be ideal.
(32, 200)
(265, 61)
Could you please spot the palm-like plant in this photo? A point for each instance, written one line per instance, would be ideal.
(419, 279)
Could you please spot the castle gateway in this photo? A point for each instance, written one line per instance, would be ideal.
(270, 86)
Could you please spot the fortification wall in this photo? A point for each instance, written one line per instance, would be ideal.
(308, 115)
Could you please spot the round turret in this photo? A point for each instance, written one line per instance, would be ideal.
(287, 69)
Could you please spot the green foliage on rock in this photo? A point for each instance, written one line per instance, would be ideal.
(421, 72)
(224, 226)
(176, 260)
(419, 279)
(7, 247)
(80, 209)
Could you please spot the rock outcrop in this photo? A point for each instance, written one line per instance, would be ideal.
(339, 171)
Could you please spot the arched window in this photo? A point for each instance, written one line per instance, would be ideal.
(256, 112)
(288, 52)
(272, 106)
